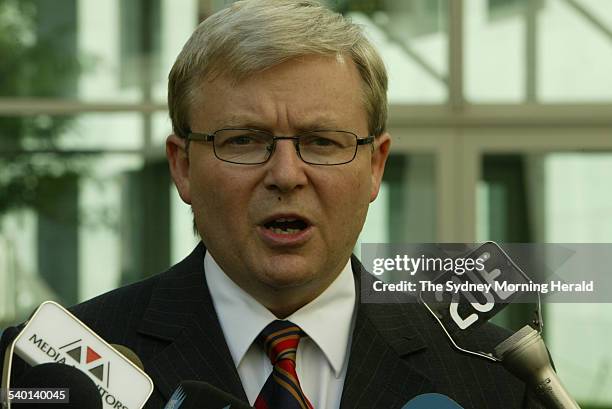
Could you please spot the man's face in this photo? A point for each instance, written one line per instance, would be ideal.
(236, 207)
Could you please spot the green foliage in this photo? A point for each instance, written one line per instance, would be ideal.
(35, 62)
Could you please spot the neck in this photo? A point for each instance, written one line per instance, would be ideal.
(282, 302)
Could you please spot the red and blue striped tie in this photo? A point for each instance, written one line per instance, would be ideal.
(282, 389)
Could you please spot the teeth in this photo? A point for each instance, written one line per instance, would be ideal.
(285, 219)
(281, 231)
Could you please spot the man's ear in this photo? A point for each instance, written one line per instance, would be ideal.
(381, 145)
(178, 159)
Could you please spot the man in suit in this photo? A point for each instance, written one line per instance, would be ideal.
(279, 145)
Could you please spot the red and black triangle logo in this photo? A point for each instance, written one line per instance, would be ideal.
(91, 356)
(98, 372)
(75, 354)
(86, 355)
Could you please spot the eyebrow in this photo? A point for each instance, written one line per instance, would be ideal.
(311, 125)
(320, 124)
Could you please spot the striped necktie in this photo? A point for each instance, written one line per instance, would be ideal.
(282, 389)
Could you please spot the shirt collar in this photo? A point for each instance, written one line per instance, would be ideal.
(327, 319)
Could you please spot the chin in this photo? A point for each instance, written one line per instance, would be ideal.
(280, 279)
(286, 276)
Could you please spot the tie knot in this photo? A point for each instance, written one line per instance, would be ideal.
(280, 340)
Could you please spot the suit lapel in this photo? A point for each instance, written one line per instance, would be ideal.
(181, 312)
(379, 372)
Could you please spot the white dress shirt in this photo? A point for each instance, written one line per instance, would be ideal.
(322, 357)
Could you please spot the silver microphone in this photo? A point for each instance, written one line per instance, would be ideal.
(524, 354)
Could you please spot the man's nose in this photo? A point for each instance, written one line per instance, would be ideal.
(285, 169)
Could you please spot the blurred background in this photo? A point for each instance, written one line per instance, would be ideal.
(500, 110)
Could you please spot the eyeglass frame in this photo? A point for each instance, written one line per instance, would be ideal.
(210, 137)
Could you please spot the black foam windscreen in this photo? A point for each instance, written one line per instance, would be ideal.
(10, 333)
(83, 393)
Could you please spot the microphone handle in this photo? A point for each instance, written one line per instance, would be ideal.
(548, 388)
(525, 355)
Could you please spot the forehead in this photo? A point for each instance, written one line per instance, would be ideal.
(304, 92)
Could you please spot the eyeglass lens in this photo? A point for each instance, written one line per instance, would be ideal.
(252, 147)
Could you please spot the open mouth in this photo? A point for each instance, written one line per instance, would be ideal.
(286, 225)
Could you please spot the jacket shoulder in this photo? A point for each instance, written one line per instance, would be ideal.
(121, 308)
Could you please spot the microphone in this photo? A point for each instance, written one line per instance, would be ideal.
(202, 395)
(10, 333)
(8, 336)
(473, 303)
(82, 392)
(54, 335)
(526, 357)
(129, 354)
(523, 354)
(432, 400)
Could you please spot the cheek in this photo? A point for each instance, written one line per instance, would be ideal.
(208, 195)
(220, 198)
(361, 182)
(361, 196)
(348, 195)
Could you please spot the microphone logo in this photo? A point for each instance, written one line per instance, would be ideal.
(55, 335)
(84, 356)
(88, 359)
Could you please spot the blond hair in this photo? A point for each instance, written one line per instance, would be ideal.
(252, 35)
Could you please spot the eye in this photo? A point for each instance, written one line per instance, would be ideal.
(241, 140)
(319, 141)
(236, 139)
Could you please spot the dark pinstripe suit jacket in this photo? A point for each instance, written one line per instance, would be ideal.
(397, 350)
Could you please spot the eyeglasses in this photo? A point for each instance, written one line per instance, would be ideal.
(251, 147)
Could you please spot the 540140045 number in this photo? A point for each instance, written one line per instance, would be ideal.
(36, 395)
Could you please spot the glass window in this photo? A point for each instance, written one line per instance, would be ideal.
(557, 198)
(109, 51)
(64, 231)
(404, 211)
(494, 56)
(412, 39)
(538, 51)
(575, 51)
(78, 186)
